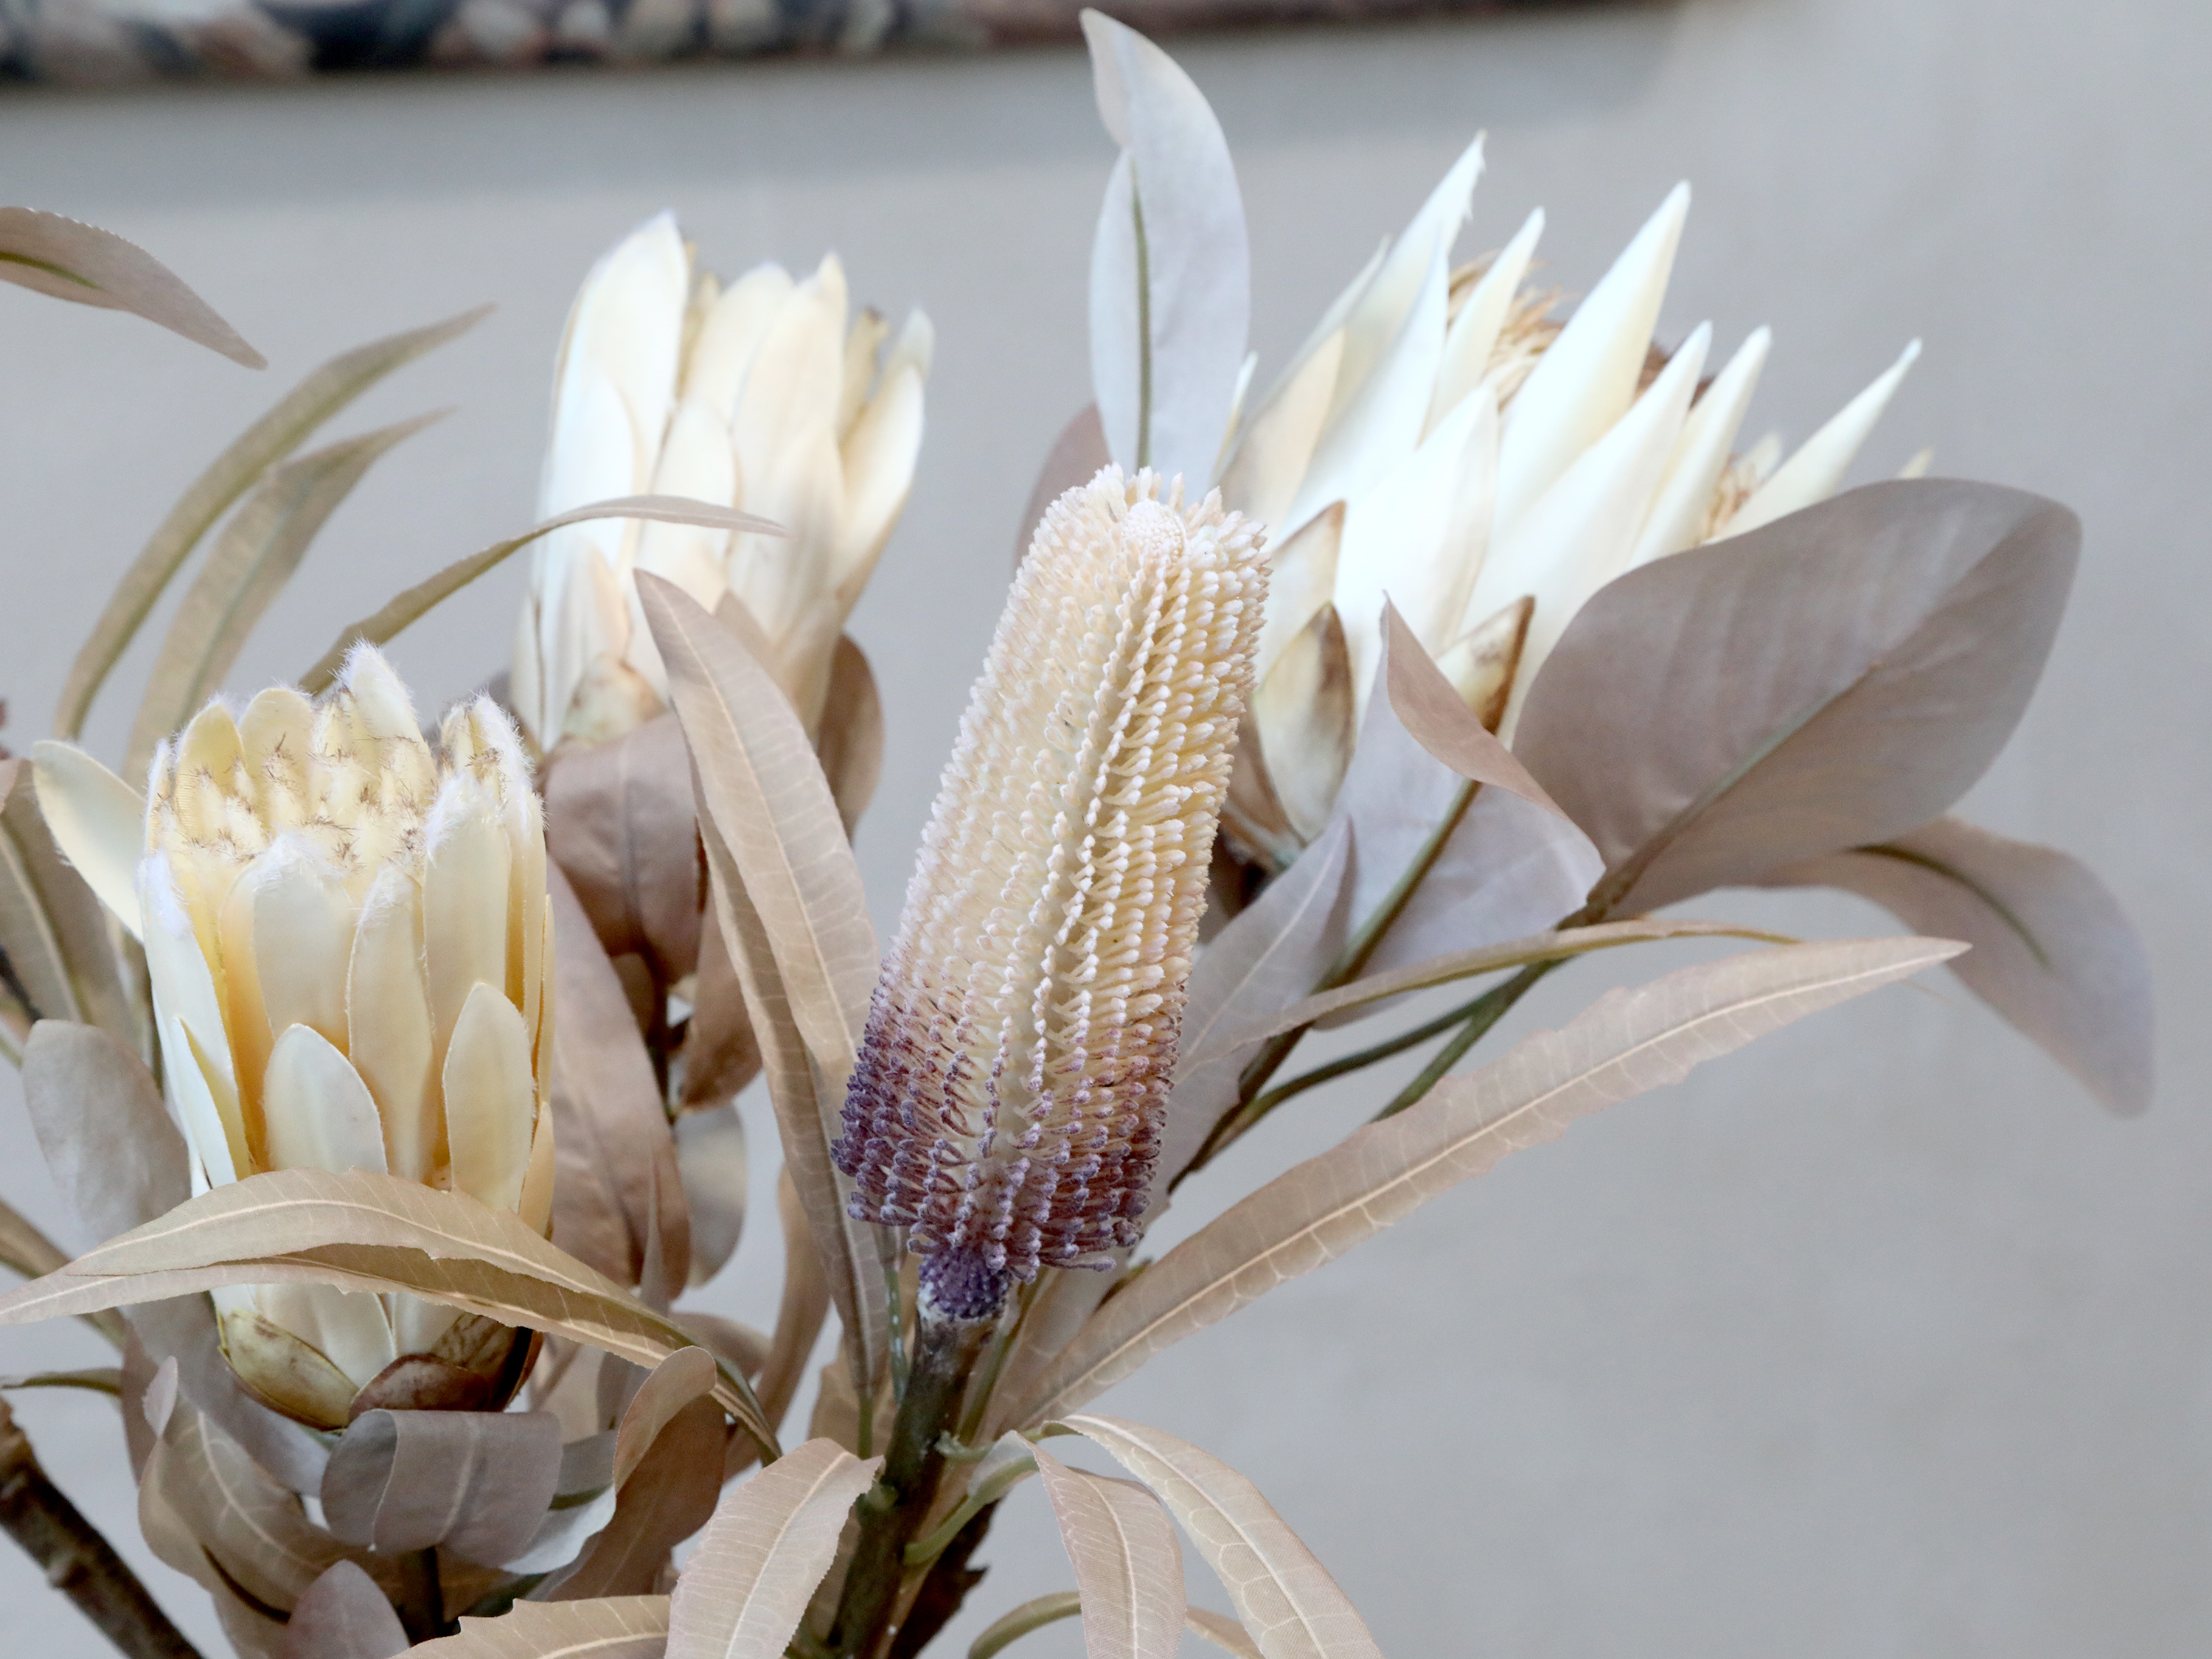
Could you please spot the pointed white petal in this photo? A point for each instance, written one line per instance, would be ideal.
(1474, 334)
(1375, 324)
(1301, 578)
(1577, 538)
(620, 356)
(1814, 471)
(302, 936)
(879, 456)
(1686, 493)
(1302, 709)
(97, 820)
(388, 1019)
(1417, 537)
(491, 1099)
(349, 1328)
(1587, 379)
(319, 1110)
(465, 901)
(1917, 467)
(1270, 461)
(715, 373)
(915, 348)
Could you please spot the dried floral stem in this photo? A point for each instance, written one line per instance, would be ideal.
(422, 1609)
(1254, 1101)
(77, 1561)
(945, 1352)
(1479, 1015)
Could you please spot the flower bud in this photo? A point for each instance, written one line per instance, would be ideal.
(1006, 1104)
(349, 947)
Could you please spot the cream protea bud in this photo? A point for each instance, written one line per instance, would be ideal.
(348, 940)
(1006, 1104)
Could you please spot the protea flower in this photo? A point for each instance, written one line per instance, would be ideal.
(1442, 440)
(349, 948)
(764, 395)
(1007, 1105)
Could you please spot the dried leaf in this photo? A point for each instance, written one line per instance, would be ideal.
(1128, 1567)
(618, 821)
(256, 555)
(1466, 964)
(1288, 1603)
(82, 263)
(1623, 1044)
(805, 1304)
(24, 1248)
(406, 607)
(1834, 679)
(477, 1482)
(1224, 1633)
(363, 1230)
(623, 1627)
(668, 1496)
(1076, 457)
(685, 1376)
(1171, 270)
(344, 1616)
(108, 1140)
(1436, 717)
(1508, 868)
(53, 935)
(720, 1054)
(2053, 952)
(1274, 953)
(268, 441)
(710, 1154)
(761, 778)
(615, 1175)
(762, 785)
(851, 744)
(98, 823)
(93, 1379)
(747, 1585)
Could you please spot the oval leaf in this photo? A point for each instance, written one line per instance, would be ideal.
(1835, 678)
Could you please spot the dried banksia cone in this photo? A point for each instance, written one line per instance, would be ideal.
(1007, 1105)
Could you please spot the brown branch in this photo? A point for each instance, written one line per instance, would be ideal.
(76, 1560)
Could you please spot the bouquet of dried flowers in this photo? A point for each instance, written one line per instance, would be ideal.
(396, 1067)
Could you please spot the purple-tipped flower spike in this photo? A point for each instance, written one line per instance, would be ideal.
(1006, 1104)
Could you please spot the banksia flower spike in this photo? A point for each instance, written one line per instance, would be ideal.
(1007, 1105)
(349, 943)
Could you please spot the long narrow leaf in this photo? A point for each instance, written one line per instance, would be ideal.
(1128, 1567)
(1623, 1044)
(71, 260)
(771, 1541)
(261, 445)
(1288, 1603)
(362, 1230)
(252, 559)
(406, 607)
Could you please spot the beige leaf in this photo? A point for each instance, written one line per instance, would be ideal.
(618, 821)
(268, 441)
(344, 1615)
(1224, 1632)
(760, 782)
(620, 1627)
(669, 1496)
(1288, 1603)
(851, 743)
(1623, 1044)
(1466, 964)
(97, 820)
(478, 1482)
(405, 607)
(50, 917)
(71, 260)
(616, 1171)
(806, 1105)
(685, 1376)
(771, 1541)
(805, 1304)
(1128, 1567)
(256, 555)
(361, 1230)
(1431, 709)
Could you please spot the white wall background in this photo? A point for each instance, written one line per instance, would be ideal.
(1876, 1341)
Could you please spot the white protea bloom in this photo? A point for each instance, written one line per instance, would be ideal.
(1007, 1105)
(350, 951)
(1442, 441)
(765, 396)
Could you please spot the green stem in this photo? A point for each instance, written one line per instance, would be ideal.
(1349, 962)
(422, 1606)
(1484, 1011)
(945, 1352)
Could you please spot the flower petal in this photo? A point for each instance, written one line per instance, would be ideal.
(319, 1111)
(303, 923)
(388, 1020)
(97, 820)
(491, 1099)
(1813, 473)
(1686, 493)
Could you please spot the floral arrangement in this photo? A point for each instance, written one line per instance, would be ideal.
(396, 1068)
